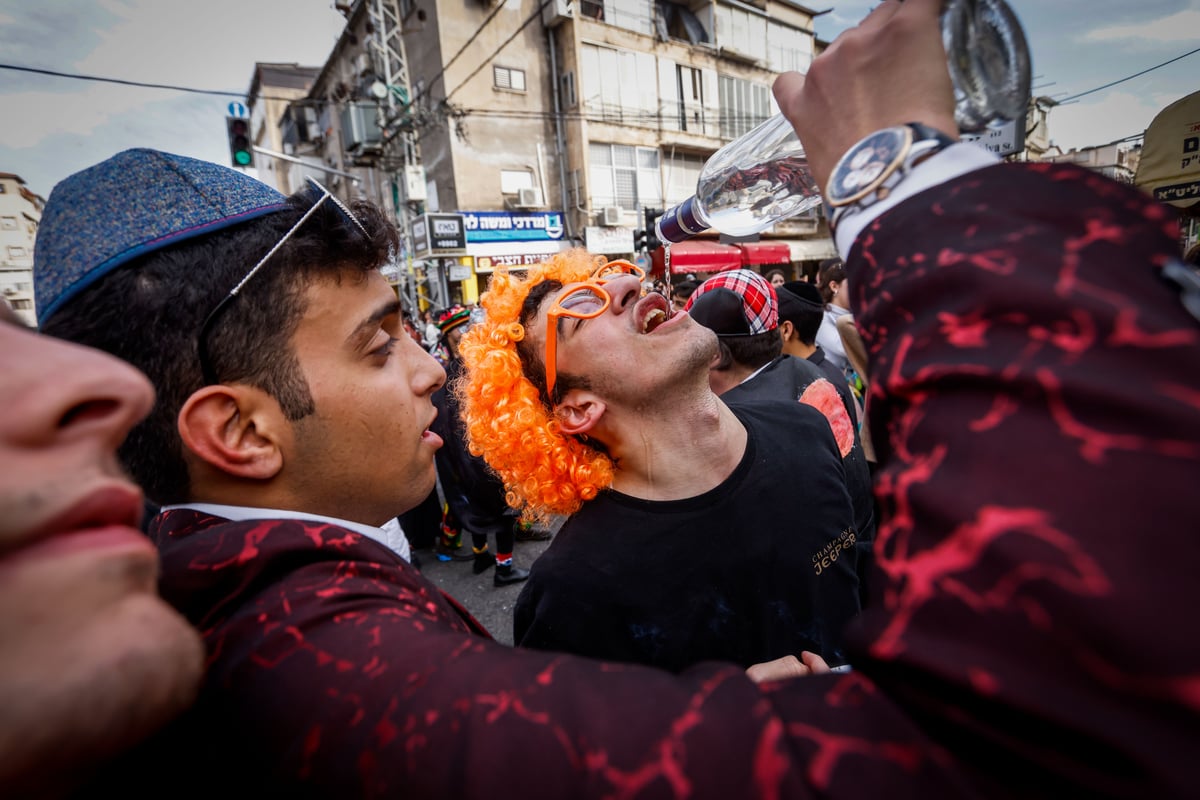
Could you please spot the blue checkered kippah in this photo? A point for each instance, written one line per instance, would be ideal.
(738, 302)
(134, 203)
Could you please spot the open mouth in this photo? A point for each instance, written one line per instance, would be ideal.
(658, 311)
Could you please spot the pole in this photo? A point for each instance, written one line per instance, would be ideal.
(322, 167)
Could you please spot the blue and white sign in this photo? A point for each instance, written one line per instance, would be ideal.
(508, 226)
(238, 110)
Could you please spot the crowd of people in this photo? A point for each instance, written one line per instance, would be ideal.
(1031, 342)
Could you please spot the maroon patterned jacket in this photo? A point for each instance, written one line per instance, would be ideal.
(1035, 402)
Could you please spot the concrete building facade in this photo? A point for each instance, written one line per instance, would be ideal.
(20, 213)
(540, 126)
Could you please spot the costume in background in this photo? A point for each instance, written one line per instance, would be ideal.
(761, 566)
(838, 379)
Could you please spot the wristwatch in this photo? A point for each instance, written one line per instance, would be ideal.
(869, 170)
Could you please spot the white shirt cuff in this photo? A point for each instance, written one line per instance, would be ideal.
(957, 159)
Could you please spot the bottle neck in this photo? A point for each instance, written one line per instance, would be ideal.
(681, 222)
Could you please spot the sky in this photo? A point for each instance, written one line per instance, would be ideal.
(51, 127)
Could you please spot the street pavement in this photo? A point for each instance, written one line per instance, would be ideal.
(492, 605)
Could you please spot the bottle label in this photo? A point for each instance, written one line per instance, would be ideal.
(680, 223)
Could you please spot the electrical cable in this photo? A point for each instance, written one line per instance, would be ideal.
(1129, 78)
(462, 49)
(535, 15)
(123, 82)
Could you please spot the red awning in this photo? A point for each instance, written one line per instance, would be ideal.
(755, 253)
(699, 255)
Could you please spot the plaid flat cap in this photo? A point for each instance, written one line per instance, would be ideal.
(739, 302)
(132, 204)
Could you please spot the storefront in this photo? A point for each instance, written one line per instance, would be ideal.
(698, 256)
(509, 239)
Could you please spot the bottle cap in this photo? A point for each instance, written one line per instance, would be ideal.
(680, 223)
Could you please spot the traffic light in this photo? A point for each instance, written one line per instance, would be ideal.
(238, 130)
(651, 216)
(639, 240)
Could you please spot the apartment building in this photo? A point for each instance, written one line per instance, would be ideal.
(20, 213)
(541, 126)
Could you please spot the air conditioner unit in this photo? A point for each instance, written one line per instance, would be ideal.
(613, 216)
(529, 198)
(555, 12)
(360, 128)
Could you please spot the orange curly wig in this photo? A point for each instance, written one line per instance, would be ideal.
(544, 471)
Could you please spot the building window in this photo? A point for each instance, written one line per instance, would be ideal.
(15, 251)
(618, 85)
(690, 85)
(8, 223)
(743, 105)
(20, 304)
(788, 49)
(507, 78)
(568, 90)
(625, 176)
(741, 31)
(682, 175)
(632, 15)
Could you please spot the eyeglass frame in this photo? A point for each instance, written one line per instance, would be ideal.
(556, 312)
(206, 367)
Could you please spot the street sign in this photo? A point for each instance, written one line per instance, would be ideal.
(439, 235)
(1008, 138)
(238, 110)
(609, 241)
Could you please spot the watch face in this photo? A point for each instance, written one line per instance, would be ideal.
(870, 161)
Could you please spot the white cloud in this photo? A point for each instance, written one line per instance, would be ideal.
(1115, 116)
(1183, 26)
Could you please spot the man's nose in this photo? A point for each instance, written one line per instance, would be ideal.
(89, 395)
(624, 292)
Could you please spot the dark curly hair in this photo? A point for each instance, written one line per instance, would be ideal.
(150, 311)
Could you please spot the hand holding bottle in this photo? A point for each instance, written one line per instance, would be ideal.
(947, 64)
(889, 70)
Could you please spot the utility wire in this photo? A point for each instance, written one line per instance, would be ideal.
(430, 83)
(98, 79)
(535, 15)
(1129, 78)
(140, 84)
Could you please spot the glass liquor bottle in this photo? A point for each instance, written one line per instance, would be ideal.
(763, 176)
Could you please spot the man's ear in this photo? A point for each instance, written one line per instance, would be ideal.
(579, 412)
(235, 429)
(786, 329)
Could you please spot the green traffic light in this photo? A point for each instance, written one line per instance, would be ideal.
(242, 158)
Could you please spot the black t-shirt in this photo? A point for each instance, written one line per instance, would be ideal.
(759, 567)
(838, 379)
(786, 378)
